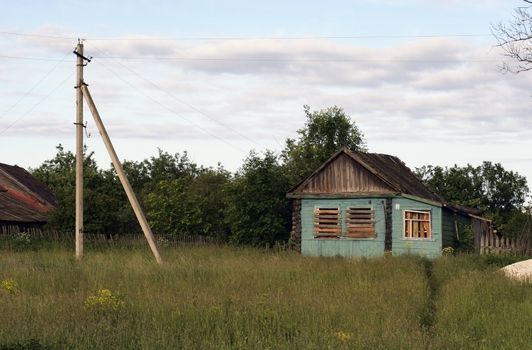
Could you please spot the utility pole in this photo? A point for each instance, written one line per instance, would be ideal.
(79, 150)
(83, 92)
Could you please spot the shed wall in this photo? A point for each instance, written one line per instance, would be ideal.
(449, 229)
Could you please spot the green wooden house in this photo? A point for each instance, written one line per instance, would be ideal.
(364, 204)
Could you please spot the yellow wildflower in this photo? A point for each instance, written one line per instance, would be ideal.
(104, 299)
(343, 336)
(10, 285)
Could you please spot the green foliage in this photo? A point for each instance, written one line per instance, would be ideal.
(325, 132)
(466, 240)
(182, 198)
(192, 204)
(489, 186)
(257, 210)
(498, 192)
(102, 193)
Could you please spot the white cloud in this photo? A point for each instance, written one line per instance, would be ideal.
(447, 91)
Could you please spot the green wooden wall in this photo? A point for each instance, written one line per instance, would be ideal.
(430, 248)
(342, 246)
(448, 227)
(369, 247)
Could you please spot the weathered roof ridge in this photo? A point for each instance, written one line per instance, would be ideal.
(395, 172)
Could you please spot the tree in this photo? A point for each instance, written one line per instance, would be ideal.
(499, 193)
(103, 196)
(515, 38)
(324, 133)
(257, 210)
(192, 204)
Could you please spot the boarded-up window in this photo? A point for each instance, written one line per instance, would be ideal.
(360, 222)
(417, 224)
(327, 223)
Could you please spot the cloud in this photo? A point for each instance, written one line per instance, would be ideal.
(450, 88)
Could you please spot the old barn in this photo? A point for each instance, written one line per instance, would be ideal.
(24, 201)
(364, 204)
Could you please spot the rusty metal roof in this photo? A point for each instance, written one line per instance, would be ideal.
(13, 210)
(22, 197)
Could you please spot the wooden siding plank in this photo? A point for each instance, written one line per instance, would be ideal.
(344, 175)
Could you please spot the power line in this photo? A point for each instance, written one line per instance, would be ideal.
(33, 87)
(310, 37)
(270, 59)
(185, 103)
(32, 58)
(259, 59)
(251, 38)
(36, 104)
(36, 35)
(171, 110)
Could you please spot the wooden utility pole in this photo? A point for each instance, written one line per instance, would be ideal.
(121, 175)
(79, 150)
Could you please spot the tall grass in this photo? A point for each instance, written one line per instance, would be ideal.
(479, 308)
(237, 298)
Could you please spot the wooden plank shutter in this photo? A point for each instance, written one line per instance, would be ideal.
(327, 223)
(360, 223)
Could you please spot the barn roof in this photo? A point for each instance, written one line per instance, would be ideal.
(25, 179)
(22, 197)
(13, 210)
(392, 174)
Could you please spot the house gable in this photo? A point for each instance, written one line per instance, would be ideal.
(342, 175)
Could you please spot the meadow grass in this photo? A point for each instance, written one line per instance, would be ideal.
(242, 298)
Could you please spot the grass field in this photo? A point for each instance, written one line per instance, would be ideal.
(237, 298)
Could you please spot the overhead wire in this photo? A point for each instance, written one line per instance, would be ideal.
(44, 98)
(183, 102)
(222, 38)
(270, 59)
(33, 87)
(32, 58)
(259, 59)
(172, 110)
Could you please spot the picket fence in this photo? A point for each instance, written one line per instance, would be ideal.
(491, 243)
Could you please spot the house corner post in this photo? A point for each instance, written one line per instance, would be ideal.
(388, 225)
(295, 234)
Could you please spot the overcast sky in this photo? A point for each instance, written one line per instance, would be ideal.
(219, 78)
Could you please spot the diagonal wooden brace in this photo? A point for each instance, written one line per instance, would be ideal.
(122, 176)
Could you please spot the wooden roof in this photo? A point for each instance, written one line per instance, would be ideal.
(22, 197)
(359, 173)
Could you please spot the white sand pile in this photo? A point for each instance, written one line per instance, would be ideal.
(521, 270)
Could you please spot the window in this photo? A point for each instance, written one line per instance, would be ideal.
(417, 224)
(327, 223)
(360, 222)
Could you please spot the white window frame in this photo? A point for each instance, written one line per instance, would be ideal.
(421, 211)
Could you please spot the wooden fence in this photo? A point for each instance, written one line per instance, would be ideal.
(117, 239)
(491, 243)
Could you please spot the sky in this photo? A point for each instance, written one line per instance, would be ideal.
(421, 79)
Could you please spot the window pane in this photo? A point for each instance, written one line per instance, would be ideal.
(417, 224)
